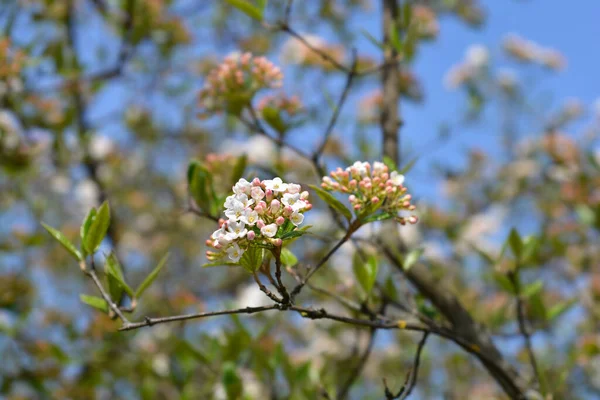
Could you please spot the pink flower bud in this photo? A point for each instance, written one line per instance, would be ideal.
(288, 210)
(304, 195)
(208, 242)
(375, 200)
(277, 242)
(251, 235)
(357, 206)
(275, 206)
(376, 181)
(352, 198)
(221, 222)
(308, 206)
(280, 221)
(385, 176)
(260, 224)
(413, 219)
(412, 208)
(269, 194)
(256, 182)
(389, 190)
(352, 183)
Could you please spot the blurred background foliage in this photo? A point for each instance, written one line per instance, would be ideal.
(98, 101)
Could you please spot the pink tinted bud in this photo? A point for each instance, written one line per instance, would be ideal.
(357, 206)
(304, 195)
(217, 245)
(375, 200)
(275, 206)
(385, 176)
(269, 194)
(256, 182)
(382, 186)
(413, 219)
(261, 204)
(406, 204)
(352, 198)
(324, 185)
(345, 174)
(352, 183)
(412, 208)
(280, 221)
(260, 224)
(251, 235)
(288, 210)
(260, 210)
(376, 181)
(221, 222)
(209, 243)
(408, 197)
(335, 185)
(344, 189)
(277, 242)
(308, 206)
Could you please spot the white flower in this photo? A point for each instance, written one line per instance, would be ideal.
(396, 178)
(242, 187)
(257, 193)
(477, 56)
(294, 188)
(276, 185)
(235, 211)
(243, 198)
(293, 200)
(100, 146)
(250, 217)
(360, 167)
(237, 229)
(229, 201)
(235, 253)
(378, 167)
(296, 218)
(219, 232)
(269, 230)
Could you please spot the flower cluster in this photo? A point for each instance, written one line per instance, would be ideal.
(258, 213)
(372, 188)
(290, 105)
(231, 86)
(528, 51)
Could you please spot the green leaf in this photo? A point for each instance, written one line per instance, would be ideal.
(272, 116)
(247, 8)
(115, 274)
(87, 222)
(516, 243)
(391, 164)
(288, 258)
(373, 40)
(538, 308)
(389, 289)
(378, 217)
(63, 241)
(487, 257)
(96, 302)
(504, 283)
(558, 309)
(151, 277)
(533, 288)
(411, 258)
(395, 39)
(292, 235)
(97, 229)
(531, 246)
(332, 201)
(220, 263)
(365, 272)
(232, 382)
(409, 165)
(406, 14)
(238, 168)
(200, 185)
(252, 259)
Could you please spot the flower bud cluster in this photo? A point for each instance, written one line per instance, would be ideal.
(258, 212)
(290, 105)
(372, 188)
(231, 85)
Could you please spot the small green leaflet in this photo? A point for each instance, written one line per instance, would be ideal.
(248, 8)
(151, 277)
(93, 301)
(365, 272)
(411, 258)
(63, 241)
(332, 201)
(252, 259)
(288, 258)
(97, 228)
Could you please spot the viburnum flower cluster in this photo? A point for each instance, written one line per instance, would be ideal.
(372, 188)
(258, 213)
(290, 105)
(231, 85)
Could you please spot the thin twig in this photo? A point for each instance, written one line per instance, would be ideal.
(411, 376)
(280, 286)
(360, 365)
(264, 289)
(91, 272)
(521, 318)
(326, 258)
(336, 112)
